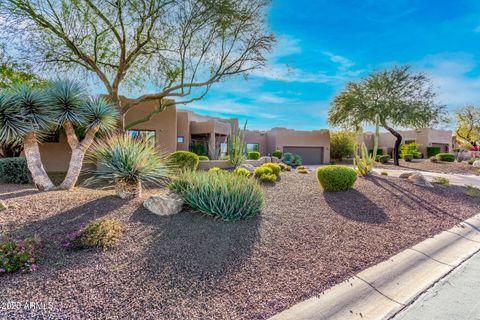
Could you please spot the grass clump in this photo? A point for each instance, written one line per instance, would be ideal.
(472, 191)
(102, 233)
(441, 180)
(226, 196)
(18, 254)
(384, 173)
(336, 178)
(302, 170)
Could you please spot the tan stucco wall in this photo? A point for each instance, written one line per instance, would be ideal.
(183, 130)
(260, 137)
(56, 155)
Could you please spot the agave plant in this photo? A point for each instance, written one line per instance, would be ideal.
(128, 163)
(363, 163)
(74, 109)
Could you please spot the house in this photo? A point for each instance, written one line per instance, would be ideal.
(176, 129)
(426, 137)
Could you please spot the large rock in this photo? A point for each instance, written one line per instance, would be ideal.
(476, 164)
(164, 204)
(3, 205)
(247, 166)
(419, 180)
(405, 175)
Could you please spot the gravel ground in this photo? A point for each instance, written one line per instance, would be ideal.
(426, 165)
(191, 267)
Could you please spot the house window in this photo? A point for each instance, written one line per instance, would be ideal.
(409, 141)
(148, 135)
(223, 148)
(252, 147)
(180, 139)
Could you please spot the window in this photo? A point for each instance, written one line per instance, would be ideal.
(409, 141)
(223, 148)
(180, 139)
(252, 147)
(148, 135)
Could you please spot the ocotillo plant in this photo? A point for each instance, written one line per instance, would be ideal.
(236, 146)
(363, 162)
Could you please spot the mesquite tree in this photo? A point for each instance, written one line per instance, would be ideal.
(178, 47)
(468, 124)
(398, 96)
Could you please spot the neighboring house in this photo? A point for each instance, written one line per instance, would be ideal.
(176, 129)
(426, 137)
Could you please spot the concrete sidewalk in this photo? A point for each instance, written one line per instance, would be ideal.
(457, 296)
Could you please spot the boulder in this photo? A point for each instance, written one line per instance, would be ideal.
(419, 180)
(165, 204)
(405, 175)
(3, 205)
(247, 166)
(476, 164)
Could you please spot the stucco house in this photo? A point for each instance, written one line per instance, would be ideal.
(425, 137)
(176, 129)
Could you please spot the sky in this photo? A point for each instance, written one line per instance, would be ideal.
(321, 45)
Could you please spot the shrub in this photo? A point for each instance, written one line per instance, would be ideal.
(417, 155)
(268, 178)
(302, 170)
(242, 172)
(203, 158)
(379, 152)
(441, 180)
(447, 157)
(300, 167)
(342, 144)
(97, 233)
(18, 254)
(383, 158)
(253, 155)
(297, 160)
(471, 161)
(336, 178)
(384, 173)
(14, 170)
(227, 196)
(260, 171)
(333, 162)
(472, 192)
(215, 170)
(278, 154)
(433, 159)
(287, 158)
(409, 148)
(285, 167)
(275, 168)
(432, 151)
(408, 157)
(183, 160)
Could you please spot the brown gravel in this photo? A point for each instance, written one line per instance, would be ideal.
(191, 267)
(426, 165)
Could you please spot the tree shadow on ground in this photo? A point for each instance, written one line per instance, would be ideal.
(18, 194)
(353, 205)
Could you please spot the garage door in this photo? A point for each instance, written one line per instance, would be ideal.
(310, 155)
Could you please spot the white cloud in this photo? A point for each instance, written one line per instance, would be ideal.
(231, 107)
(272, 98)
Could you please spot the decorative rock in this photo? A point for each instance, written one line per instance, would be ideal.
(476, 164)
(419, 180)
(405, 175)
(3, 206)
(247, 166)
(164, 204)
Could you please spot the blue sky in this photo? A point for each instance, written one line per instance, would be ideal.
(323, 44)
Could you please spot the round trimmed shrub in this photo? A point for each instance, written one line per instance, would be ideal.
(215, 170)
(336, 178)
(408, 157)
(447, 157)
(203, 158)
(14, 170)
(268, 178)
(278, 154)
(253, 155)
(227, 196)
(260, 171)
(275, 168)
(183, 160)
(241, 172)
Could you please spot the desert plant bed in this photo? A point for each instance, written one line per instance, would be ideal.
(190, 266)
(439, 167)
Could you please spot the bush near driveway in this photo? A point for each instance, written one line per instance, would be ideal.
(14, 170)
(447, 157)
(225, 195)
(183, 160)
(336, 178)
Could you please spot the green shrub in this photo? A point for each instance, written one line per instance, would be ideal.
(297, 160)
(384, 173)
(260, 171)
(227, 196)
(342, 144)
(447, 157)
(97, 233)
(183, 160)
(409, 148)
(203, 158)
(215, 170)
(383, 158)
(285, 167)
(253, 155)
(408, 157)
(268, 178)
(471, 161)
(278, 154)
(441, 180)
(287, 158)
(242, 172)
(18, 254)
(379, 152)
(417, 155)
(473, 192)
(336, 178)
(432, 151)
(275, 168)
(333, 162)
(14, 170)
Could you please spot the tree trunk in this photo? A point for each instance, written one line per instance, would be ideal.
(78, 154)
(128, 190)
(34, 163)
(397, 135)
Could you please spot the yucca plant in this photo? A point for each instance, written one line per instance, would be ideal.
(75, 109)
(363, 162)
(223, 195)
(126, 162)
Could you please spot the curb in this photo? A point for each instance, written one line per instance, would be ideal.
(383, 290)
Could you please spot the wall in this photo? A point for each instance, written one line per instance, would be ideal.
(260, 137)
(183, 130)
(56, 155)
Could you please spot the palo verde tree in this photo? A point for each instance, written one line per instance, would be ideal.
(180, 47)
(468, 124)
(398, 96)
